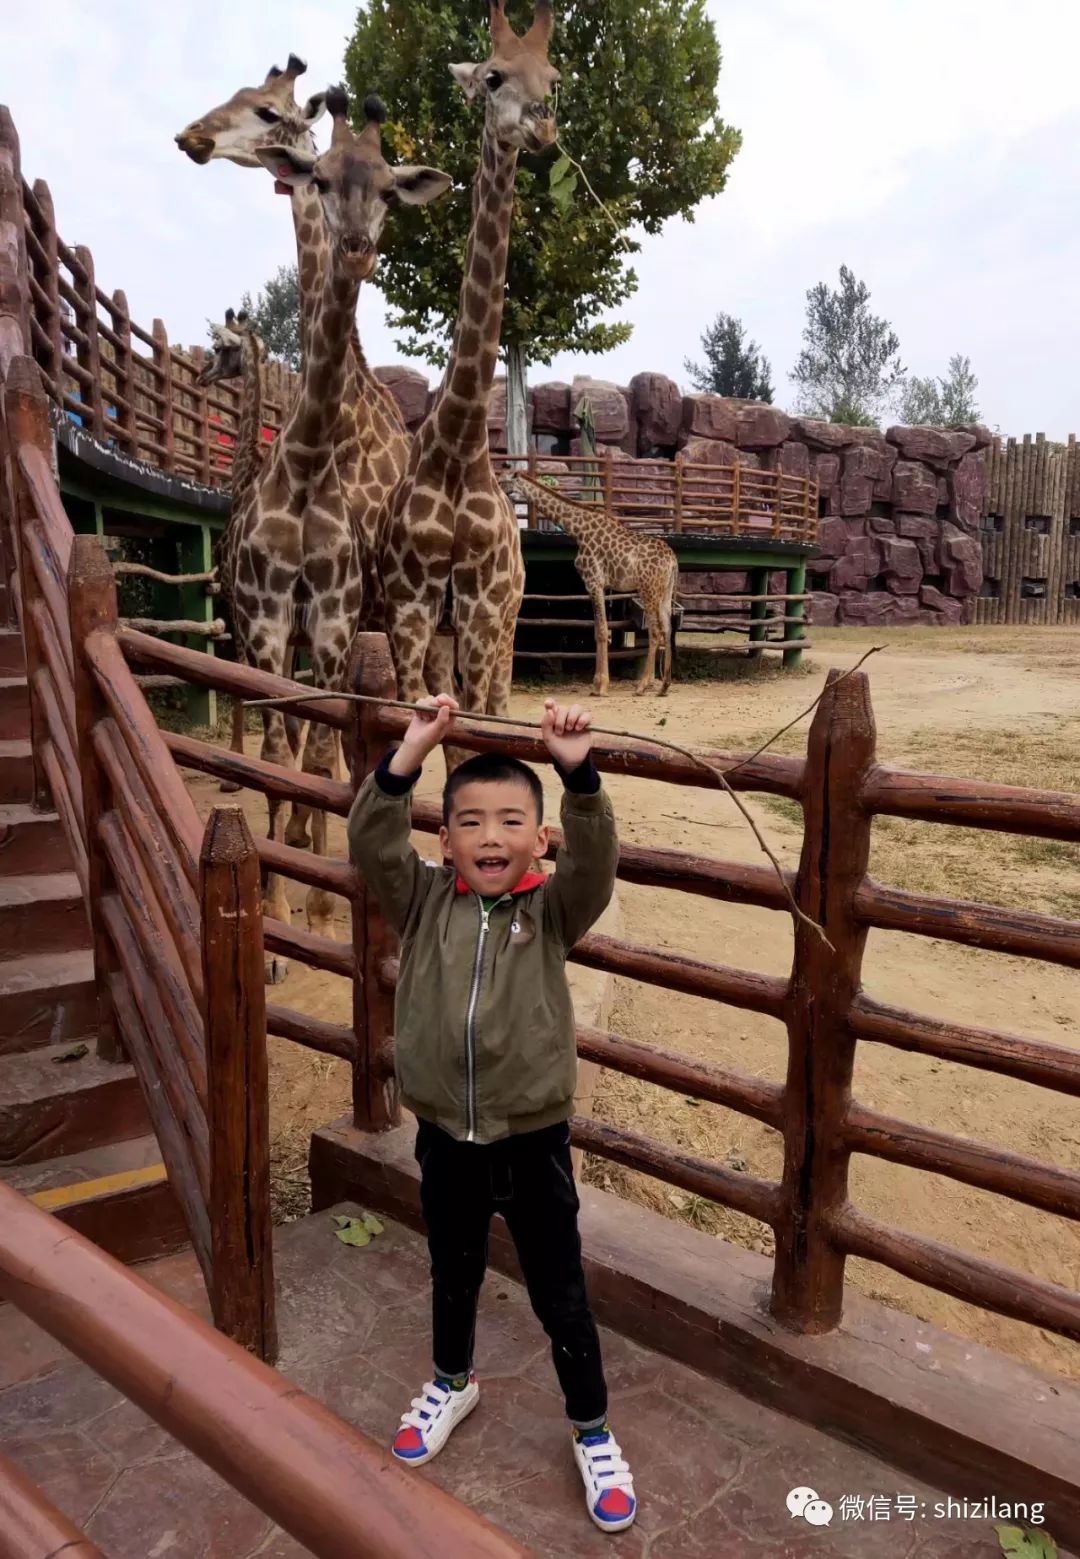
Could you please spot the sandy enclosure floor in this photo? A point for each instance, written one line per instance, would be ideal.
(992, 703)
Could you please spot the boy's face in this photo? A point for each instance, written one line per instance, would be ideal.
(494, 836)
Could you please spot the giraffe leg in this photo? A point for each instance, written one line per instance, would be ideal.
(328, 670)
(648, 672)
(236, 742)
(667, 637)
(411, 627)
(503, 675)
(480, 638)
(601, 678)
(296, 833)
(273, 636)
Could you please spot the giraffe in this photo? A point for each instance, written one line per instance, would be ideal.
(610, 556)
(291, 560)
(450, 524)
(371, 440)
(239, 354)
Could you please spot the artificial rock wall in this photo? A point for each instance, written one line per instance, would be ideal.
(901, 511)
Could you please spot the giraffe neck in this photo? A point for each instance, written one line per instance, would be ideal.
(312, 250)
(574, 519)
(249, 433)
(461, 408)
(313, 421)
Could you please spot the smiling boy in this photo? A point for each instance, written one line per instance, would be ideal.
(486, 1055)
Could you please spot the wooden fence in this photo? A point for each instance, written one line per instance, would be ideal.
(126, 385)
(1031, 534)
(677, 497)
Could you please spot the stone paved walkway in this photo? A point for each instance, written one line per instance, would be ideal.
(712, 1468)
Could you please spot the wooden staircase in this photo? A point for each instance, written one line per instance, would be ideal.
(74, 1133)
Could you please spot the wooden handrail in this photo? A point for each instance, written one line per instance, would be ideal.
(30, 1525)
(329, 1486)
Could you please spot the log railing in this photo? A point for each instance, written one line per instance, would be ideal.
(328, 1485)
(841, 787)
(126, 385)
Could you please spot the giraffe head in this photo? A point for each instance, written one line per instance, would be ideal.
(516, 81)
(227, 359)
(254, 117)
(355, 183)
(512, 485)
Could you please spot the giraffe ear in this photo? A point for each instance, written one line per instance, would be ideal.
(467, 77)
(314, 109)
(416, 186)
(288, 166)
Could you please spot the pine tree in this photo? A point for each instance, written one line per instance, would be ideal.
(849, 369)
(733, 365)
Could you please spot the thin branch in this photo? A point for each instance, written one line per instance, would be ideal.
(598, 730)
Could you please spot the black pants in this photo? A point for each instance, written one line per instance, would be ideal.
(530, 1181)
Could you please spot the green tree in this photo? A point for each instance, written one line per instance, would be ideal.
(275, 315)
(941, 403)
(733, 365)
(636, 108)
(849, 369)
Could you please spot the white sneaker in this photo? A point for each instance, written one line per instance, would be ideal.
(432, 1419)
(609, 1488)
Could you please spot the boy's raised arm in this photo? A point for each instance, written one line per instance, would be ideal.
(380, 821)
(584, 879)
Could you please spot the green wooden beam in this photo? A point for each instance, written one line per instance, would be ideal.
(796, 585)
(196, 556)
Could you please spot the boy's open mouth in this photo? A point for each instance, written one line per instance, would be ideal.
(492, 865)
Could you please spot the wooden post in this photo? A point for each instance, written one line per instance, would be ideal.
(26, 419)
(530, 469)
(808, 1274)
(759, 608)
(126, 429)
(609, 474)
(678, 523)
(92, 610)
(197, 557)
(201, 416)
(48, 279)
(14, 337)
(736, 503)
(163, 360)
(795, 584)
(90, 355)
(375, 1093)
(238, 1096)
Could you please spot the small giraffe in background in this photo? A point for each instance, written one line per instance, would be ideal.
(239, 354)
(610, 556)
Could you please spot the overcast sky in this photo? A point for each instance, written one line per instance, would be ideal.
(931, 145)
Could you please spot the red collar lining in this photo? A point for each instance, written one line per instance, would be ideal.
(527, 883)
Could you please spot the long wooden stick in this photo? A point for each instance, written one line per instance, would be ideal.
(598, 730)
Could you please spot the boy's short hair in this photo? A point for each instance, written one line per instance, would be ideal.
(487, 768)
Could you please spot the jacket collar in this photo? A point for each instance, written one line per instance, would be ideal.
(527, 883)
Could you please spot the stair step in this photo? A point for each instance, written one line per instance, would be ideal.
(14, 708)
(12, 655)
(46, 999)
(117, 1195)
(49, 1106)
(16, 771)
(41, 914)
(31, 842)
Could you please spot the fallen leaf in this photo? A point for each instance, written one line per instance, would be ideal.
(351, 1231)
(1024, 1543)
(76, 1053)
(372, 1224)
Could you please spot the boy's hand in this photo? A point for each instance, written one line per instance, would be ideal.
(425, 731)
(567, 733)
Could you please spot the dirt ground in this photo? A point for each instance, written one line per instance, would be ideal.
(993, 703)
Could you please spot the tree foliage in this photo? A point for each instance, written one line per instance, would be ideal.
(733, 365)
(636, 107)
(941, 403)
(849, 369)
(275, 315)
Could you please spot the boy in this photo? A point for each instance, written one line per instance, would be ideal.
(486, 1055)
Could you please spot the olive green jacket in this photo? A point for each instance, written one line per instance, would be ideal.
(485, 1041)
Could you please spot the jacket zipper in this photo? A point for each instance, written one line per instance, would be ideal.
(470, 1020)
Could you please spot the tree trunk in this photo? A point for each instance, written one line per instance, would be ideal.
(517, 414)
